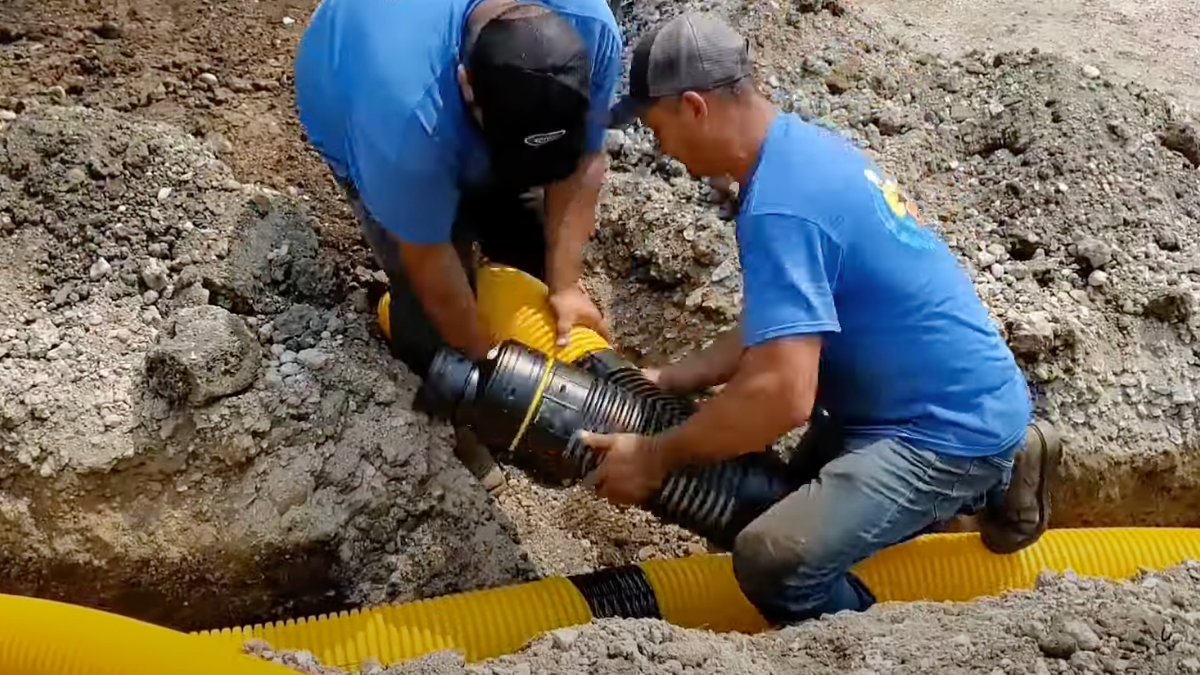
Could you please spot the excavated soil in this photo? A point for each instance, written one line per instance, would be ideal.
(199, 425)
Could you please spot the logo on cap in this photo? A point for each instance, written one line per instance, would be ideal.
(538, 140)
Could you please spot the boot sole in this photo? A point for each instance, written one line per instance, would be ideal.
(1048, 461)
(1048, 470)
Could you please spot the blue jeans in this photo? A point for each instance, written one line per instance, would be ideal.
(793, 562)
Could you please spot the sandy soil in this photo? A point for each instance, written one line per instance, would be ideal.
(1156, 42)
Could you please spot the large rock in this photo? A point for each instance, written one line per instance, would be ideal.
(205, 354)
(201, 431)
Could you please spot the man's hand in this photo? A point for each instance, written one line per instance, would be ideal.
(709, 367)
(570, 220)
(630, 468)
(655, 375)
(572, 307)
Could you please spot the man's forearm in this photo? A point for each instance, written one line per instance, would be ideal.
(710, 366)
(746, 417)
(571, 219)
(441, 286)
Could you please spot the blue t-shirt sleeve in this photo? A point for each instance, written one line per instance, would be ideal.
(790, 267)
(402, 175)
(606, 76)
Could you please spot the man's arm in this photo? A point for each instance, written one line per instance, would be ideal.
(571, 203)
(571, 219)
(440, 283)
(402, 177)
(713, 365)
(772, 393)
(790, 268)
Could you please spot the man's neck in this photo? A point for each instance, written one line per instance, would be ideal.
(748, 142)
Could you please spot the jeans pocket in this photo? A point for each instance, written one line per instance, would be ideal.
(1002, 461)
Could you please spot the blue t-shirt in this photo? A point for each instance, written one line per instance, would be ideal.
(378, 95)
(828, 244)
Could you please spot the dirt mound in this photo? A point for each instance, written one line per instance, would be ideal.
(197, 418)
(1072, 200)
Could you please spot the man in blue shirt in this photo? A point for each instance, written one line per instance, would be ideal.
(851, 306)
(463, 122)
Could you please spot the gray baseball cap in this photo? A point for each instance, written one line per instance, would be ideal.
(694, 51)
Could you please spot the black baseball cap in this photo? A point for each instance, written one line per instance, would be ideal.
(531, 77)
(694, 51)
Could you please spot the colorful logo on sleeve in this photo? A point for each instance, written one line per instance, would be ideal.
(900, 215)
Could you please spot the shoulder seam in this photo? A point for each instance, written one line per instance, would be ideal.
(841, 248)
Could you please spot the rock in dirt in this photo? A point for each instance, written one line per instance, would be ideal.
(1184, 139)
(205, 354)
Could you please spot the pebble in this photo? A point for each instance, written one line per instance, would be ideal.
(288, 21)
(99, 269)
(208, 79)
(164, 193)
(1085, 638)
(109, 30)
(1090, 72)
(313, 359)
(63, 351)
(287, 356)
(155, 274)
(565, 637)
(614, 141)
(1097, 278)
(149, 297)
(7, 115)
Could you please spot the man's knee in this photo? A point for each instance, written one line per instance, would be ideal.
(761, 560)
(770, 551)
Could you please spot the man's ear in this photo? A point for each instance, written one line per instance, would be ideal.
(694, 104)
(464, 84)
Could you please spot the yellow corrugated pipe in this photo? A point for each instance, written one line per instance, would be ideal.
(40, 637)
(512, 305)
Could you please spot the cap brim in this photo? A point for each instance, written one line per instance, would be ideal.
(625, 112)
(519, 164)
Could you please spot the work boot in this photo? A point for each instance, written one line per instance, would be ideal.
(1024, 513)
(479, 461)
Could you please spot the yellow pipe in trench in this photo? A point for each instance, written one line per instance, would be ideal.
(42, 637)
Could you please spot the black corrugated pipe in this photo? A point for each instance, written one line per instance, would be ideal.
(521, 400)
